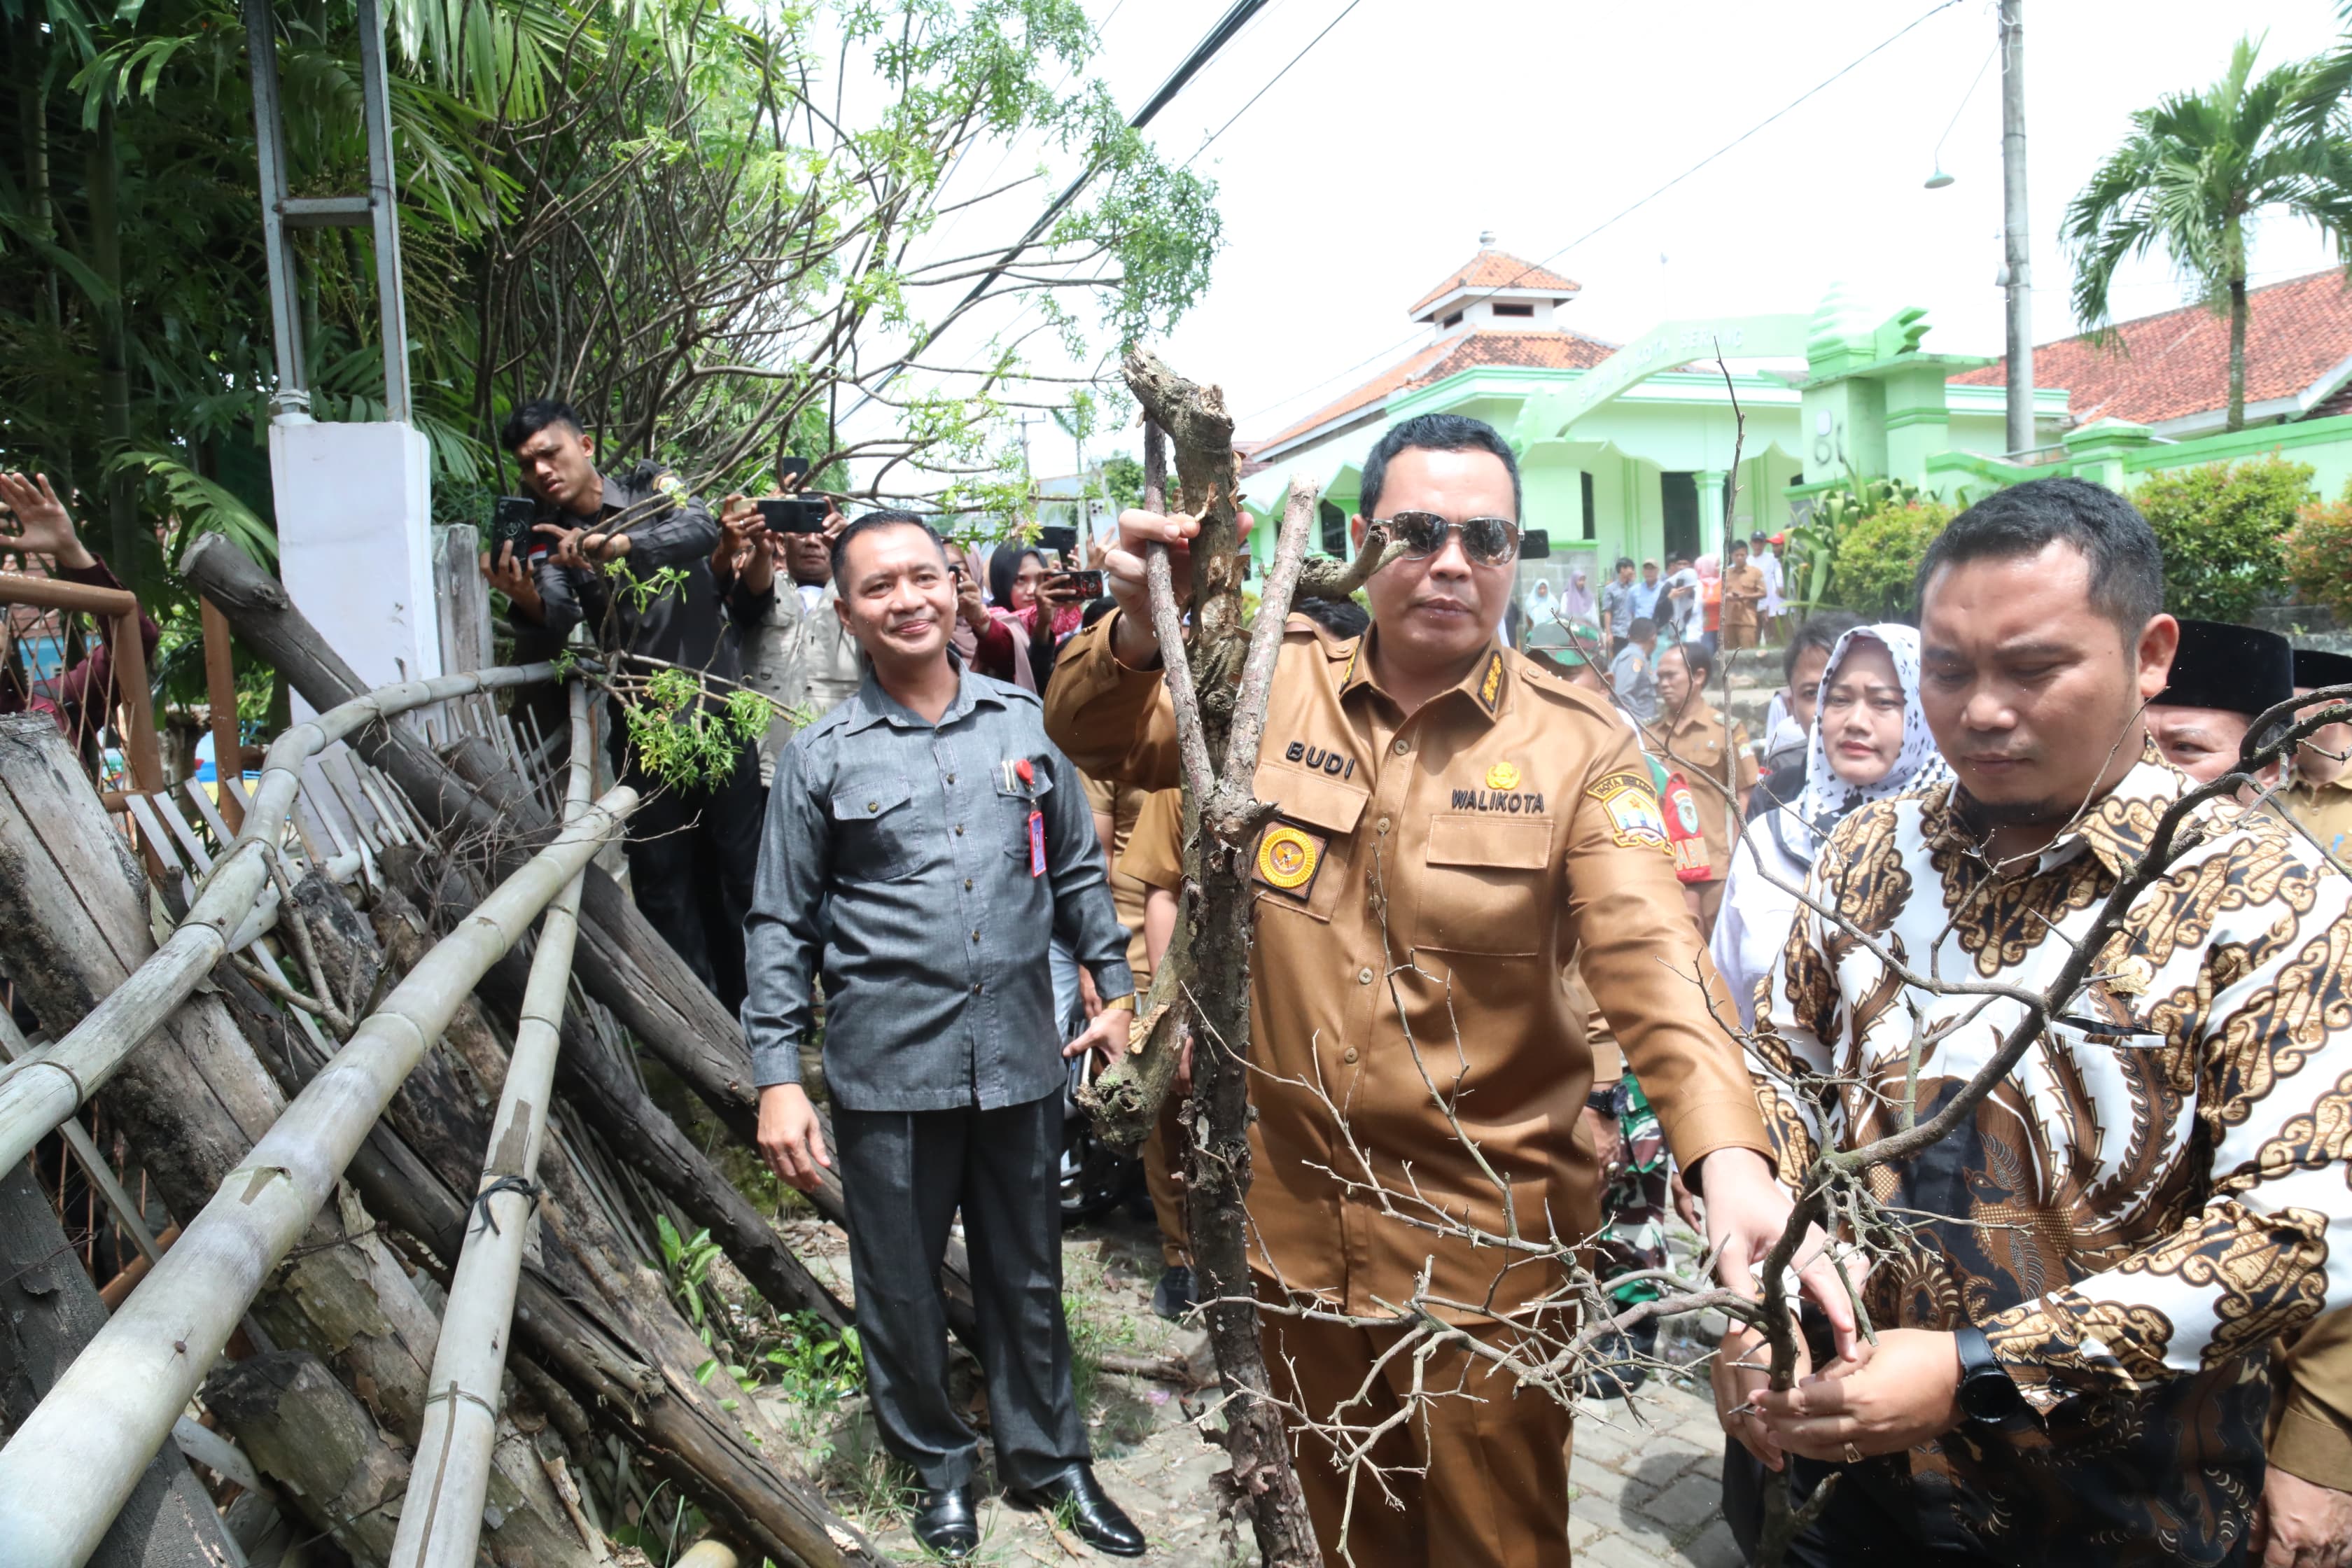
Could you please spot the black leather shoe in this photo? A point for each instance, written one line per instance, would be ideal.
(945, 1523)
(1173, 1297)
(1097, 1521)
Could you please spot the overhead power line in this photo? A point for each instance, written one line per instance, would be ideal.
(1626, 212)
(1216, 38)
(1278, 75)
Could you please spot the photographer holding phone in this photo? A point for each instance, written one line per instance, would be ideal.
(1035, 601)
(691, 852)
(795, 651)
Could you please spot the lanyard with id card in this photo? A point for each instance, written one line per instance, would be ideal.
(1036, 825)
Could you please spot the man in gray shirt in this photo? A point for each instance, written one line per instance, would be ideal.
(924, 844)
(1633, 672)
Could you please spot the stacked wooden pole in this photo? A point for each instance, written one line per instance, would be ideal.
(67, 1469)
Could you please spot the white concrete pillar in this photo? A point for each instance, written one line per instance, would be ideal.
(355, 506)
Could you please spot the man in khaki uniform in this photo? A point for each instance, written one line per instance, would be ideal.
(2320, 796)
(1743, 590)
(1149, 860)
(1453, 821)
(1691, 738)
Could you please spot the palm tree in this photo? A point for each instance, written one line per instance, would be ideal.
(2196, 169)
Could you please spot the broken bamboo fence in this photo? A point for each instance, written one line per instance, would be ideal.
(441, 1520)
(69, 1467)
(46, 1087)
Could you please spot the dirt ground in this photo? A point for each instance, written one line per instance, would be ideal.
(1643, 1481)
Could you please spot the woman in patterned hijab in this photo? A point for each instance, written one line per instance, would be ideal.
(1870, 742)
(1875, 671)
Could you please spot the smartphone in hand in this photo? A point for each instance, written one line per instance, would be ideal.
(511, 521)
(794, 514)
(1061, 539)
(1088, 584)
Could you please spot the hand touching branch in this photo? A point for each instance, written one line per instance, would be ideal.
(1747, 1213)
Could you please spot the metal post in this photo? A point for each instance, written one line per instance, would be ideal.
(379, 209)
(292, 394)
(381, 200)
(2016, 255)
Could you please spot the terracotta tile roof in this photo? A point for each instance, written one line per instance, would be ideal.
(1436, 361)
(1496, 269)
(2178, 364)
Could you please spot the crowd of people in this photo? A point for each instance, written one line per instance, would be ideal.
(1666, 963)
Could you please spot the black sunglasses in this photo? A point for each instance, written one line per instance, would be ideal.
(1486, 541)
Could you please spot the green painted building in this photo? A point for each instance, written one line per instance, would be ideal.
(1630, 449)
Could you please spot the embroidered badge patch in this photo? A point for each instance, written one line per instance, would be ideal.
(1502, 775)
(1287, 859)
(1634, 820)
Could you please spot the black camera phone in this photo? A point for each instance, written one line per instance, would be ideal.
(511, 521)
(793, 514)
(1535, 545)
(1089, 585)
(790, 468)
(1061, 539)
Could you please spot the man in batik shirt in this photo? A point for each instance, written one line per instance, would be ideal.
(2071, 1359)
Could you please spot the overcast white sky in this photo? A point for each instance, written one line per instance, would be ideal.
(1369, 172)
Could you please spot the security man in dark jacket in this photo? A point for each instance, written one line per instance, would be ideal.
(690, 851)
(924, 844)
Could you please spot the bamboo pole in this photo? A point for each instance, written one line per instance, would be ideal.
(69, 1465)
(441, 1520)
(47, 1086)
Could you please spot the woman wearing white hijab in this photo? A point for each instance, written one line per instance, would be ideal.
(1870, 742)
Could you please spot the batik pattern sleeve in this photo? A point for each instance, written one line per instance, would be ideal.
(2243, 955)
(1799, 1023)
(783, 942)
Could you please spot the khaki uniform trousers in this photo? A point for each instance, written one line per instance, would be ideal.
(1165, 1157)
(1494, 1490)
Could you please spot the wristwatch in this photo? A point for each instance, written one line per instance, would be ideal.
(1989, 1396)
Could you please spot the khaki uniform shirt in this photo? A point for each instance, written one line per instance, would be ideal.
(1694, 745)
(1743, 590)
(1154, 853)
(2310, 1415)
(1123, 804)
(1434, 874)
(2326, 810)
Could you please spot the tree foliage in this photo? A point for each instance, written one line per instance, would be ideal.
(2219, 526)
(1878, 556)
(2196, 170)
(2318, 555)
(717, 230)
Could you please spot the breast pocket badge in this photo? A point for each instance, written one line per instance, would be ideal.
(1287, 859)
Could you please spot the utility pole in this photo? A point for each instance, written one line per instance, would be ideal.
(2017, 265)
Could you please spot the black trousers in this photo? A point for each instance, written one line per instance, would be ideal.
(904, 1174)
(1857, 1527)
(692, 857)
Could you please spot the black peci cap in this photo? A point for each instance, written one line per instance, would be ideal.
(2316, 668)
(2239, 670)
